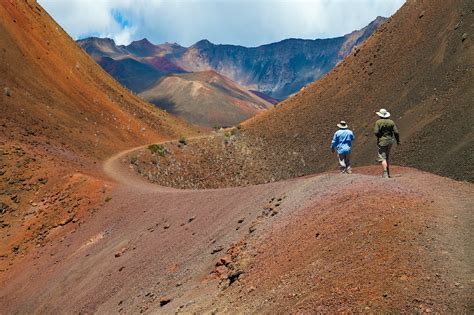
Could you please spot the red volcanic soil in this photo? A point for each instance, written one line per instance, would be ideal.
(61, 115)
(82, 233)
(52, 91)
(326, 243)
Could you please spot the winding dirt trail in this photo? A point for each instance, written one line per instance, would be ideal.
(114, 168)
(326, 242)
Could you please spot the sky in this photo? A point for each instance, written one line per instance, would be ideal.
(240, 22)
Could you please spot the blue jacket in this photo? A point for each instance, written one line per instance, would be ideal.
(342, 141)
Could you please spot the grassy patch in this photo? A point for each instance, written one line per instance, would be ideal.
(157, 148)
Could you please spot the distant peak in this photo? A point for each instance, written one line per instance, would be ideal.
(97, 39)
(141, 42)
(203, 43)
(170, 44)
(379, 19)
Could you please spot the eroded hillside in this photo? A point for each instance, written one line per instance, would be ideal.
(419, 65)
(60, 115)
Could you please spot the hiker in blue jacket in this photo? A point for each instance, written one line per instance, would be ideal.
(342, 142)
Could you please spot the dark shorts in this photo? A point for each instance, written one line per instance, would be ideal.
(383, 152)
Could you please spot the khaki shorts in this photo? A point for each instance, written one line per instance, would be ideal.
(383, 152)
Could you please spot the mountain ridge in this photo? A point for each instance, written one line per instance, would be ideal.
(265, 68)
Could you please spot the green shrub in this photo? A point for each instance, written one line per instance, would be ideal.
(157, 148)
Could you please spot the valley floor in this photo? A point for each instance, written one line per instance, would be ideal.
(326, 242)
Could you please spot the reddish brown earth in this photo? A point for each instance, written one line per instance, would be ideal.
(61, 115)
(53, 92)
(327, 242)
(81, 232)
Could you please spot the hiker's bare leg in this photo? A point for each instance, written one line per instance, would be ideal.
(385, 165)
(348, 164)
(342, 162)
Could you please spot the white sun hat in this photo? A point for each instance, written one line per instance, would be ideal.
(342, 124)
(383, 113)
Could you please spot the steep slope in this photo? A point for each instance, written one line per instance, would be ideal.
(419, 65)
(61, 114)
(205, 98)
(57, 91)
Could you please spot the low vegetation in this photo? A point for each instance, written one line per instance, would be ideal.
(157, 148)
(182, 140)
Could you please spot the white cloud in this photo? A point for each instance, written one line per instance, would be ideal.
(244, 22)
(124, 36)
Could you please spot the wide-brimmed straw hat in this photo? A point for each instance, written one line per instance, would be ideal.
(383, 113)
(342, 125)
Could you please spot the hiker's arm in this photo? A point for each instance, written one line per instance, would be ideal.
(376, 130)
(397, 135)
(333, 142)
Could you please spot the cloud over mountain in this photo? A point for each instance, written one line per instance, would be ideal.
(248, 23)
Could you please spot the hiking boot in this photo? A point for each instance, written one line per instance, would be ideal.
(349, 170)
(385, 174)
